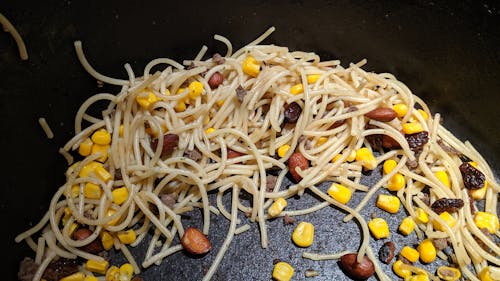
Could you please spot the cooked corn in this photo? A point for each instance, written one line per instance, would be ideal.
(379, 228)
(365, 156)
(92, 191)
(312, 78)
(479, 193)
(126, 272)
(120, 195)
(85, 147)
(102, 149)
(399, 268)
(88, 169)
(486, 220)
(113, 273)
(195, 89)
(120, 130)
(90, 278)
(421, 215)
(303, 235)
(250, 66)
(352, 156)
(410, 254)
(418, 277)
(340, 193)
(277, 207)
(412, 128)
(282, 150)
(97, 266)
(220, 103)
(209, 130)
(282, 271)
(180, 106)
(77, 276)
(321, 141)
(388, 203)
(443, 177)
(407, 226)
(111, 212)
(106, 240)
(396, 182)
(448, 273)
(423, 113)
(389, 165)
(485, 274)
(448, 219)
(102, 173)
(427, 251)
(101, 137)
(127, 236)
(401, 109)
(145, 100)
(297, 89)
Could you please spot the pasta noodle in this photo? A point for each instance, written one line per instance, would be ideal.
(9, 27)
(217, 125)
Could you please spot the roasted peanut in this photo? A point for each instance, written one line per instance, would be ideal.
(297, 160)
(195, 242)
(383, 114)
(355, 270)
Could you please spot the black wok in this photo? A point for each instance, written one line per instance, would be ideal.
(447, 52)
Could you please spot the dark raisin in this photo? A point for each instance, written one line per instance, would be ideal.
(241, 93)
(336, 124)
(390, 143)
(270, 182)
(292, 112)
(417, 141)
(449, 205)
(60, 268)
(375, 141)
(288, 220)
(472, 177)
(170, 141)
(386, 252)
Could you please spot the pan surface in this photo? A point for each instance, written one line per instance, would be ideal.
(445, 51)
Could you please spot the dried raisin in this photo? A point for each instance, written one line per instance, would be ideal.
(449, 205)
(472, 177)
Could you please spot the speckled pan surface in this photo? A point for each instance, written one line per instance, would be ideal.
(445, 51)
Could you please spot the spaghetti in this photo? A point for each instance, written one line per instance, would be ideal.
(178, 133)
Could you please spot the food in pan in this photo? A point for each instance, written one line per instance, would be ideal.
(239, 124)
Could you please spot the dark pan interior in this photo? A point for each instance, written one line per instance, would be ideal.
(445, 51)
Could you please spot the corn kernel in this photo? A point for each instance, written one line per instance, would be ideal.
(448, 273)
(388, 203)
(396, 182)
(412, 128)
(277, 207)
(407, 226)
(111, 212)
(321, 141)
(220, 103)
(180, 106)
(340, 193)
(90, 278)
(120, 130)
(379, 228)
(427, 251)
(75, 191)
(72, 228)
(282, 271)
(106, 240)
(410, 254)
(146, 100)
(92, 191)
(113, 274)
(282, 150)
(77, 276)
(297, 89)
(485, 274)
(399, 268)
(486, 220)
(102, 173)
(473, 164)
(336, 157)
(101, 137)
(127, 236)
(448, 219)
(120, 195)
(365, 156)
(479, 194)
(389, 165)
(312, 78)
(97, 266)
(85, 148)
(423, 113)
(303, 235)
(418, 277)
(195, 89)
(351, 157)
(421, 215)
(443, 177)
(103, 149)
(250, 66)
(126, 270)
(209, 130)
(401, 109)
(206, 120)
(88, 169)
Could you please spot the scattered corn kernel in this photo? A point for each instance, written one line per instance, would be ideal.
(277, 207)
(303, 235)
(401, 109)
(90, 278)
(418, 277)
(352, 156)
(421, 215)
(336, 157)
(127, 236)
(106, 240)
(321, 141)
(427, 251)
(407, 226)
(389, 165)
(485, 274)
(340, 193)
(72, 228)
(103, 149)
(448, 273)
(486, 220)
(365, 156)
(379, 228)
(250, 66)
(88, 169)
(388, 203)
(479, 194)
(443, 177)
(282, 271)
(92, 191)
(448, 219)
(412, 128)
(312, 78)
(195, 89)
(282, 150)
(396, 182)
(146, 100)
(101, 137)
(297, 89)
(75, 191)
(410, 254)
(120, 130)
(126, 271)
(113, 273)
(180, 106)
(220, 103)
(120, 195)
(209, 130)
(399, 268)
(102, 173)
(111, 212)
(77, 276)
(85, 147)
(423, 113)
(206, 120)
(473, 164)
(97, 266)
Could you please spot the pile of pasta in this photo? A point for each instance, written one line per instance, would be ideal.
(180, 131)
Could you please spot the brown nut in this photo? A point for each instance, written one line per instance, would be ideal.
(195, 242)
(170, 142)
(390, 143)
(93, 247)
(215, 80)
(355, 270)
(297, 160)
(383, 114)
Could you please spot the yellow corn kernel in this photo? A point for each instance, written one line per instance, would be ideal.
(282, 271)
(209, 130)
(154, 131)
(448, 273)
(72, 228)
(120, 195)
(365, 156)
(485, 274)
(396, 182)
(427, 251)
(423, 113)
(448, 219)
(412, 128)
(85, 147)
(410, 254)
(418, 277)
(220, 103)
(421, 215)
(389, 165)
(180, 90)
(126, 271)
(180, 106)
(89, 169)
(321, 141)
(111, 212)
(401, 109)
(250, 66)
(195, 89)
(407, 226)
(443, 177)
(113, 273)
(486, 220)
(106, 240)
(127, 236)
(101, 137)
(120, 130)
(388, 203)
(312, 78)
(206, 120)
(102, 173)
(67, 215)
(336, 157)
(379, 228)
(75, 191)
(92, 191)
(97, 266)
(297, 89)
(77, 276)
(145, 100)
(277, 207)
(340, 193)
(473, 164)
(399, 268)
(479, 194)
(102, 149)
(303, 235)
(90, 278)
(352, 156)
(282, 150)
